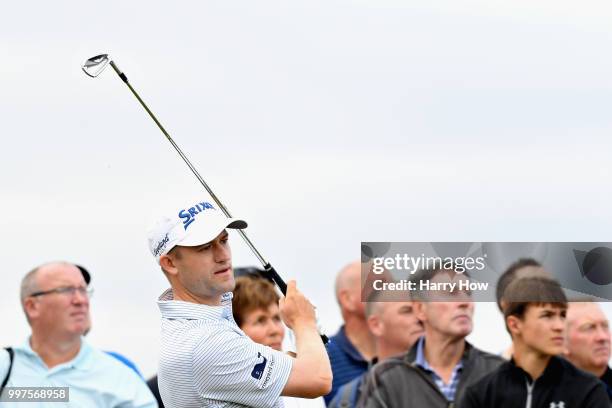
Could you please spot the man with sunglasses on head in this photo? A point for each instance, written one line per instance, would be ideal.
(55, 299)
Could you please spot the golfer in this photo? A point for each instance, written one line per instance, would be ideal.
(205, 359)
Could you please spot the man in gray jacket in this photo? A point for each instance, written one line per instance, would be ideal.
(436, 371)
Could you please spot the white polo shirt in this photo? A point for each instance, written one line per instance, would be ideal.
(207, 361)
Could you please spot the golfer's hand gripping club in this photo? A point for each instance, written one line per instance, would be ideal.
(94, 67)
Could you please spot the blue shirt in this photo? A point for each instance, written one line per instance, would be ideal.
(346, 361)
(94, 378)
(125, 361)
(449, 389)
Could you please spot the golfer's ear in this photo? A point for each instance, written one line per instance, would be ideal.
(167, 264)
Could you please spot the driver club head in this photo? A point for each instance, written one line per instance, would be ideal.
(95, 65)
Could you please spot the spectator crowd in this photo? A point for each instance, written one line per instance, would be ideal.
(230, 339)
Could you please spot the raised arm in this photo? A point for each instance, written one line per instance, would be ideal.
(311, 374)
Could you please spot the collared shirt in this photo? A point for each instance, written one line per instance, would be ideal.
(94, 378)
(449, 389)
(346, 361)
(206, 360)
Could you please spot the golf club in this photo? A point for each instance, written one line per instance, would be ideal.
(94, 67)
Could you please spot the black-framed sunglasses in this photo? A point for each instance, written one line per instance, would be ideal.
(67, 290)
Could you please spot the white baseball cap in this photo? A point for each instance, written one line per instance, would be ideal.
(192, 225)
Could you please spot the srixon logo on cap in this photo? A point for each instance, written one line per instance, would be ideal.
(188, 214)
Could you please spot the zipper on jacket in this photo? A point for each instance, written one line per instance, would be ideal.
(529, 393)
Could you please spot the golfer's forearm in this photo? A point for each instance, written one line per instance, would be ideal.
(312, 355)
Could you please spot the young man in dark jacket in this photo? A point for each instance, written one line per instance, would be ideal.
(436, 371)
(536, 377)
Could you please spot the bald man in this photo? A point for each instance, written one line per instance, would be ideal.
(351, 349)
(587, 344)
(55, 299)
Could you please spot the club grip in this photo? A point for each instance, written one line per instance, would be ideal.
(276, 278)
(283, 288)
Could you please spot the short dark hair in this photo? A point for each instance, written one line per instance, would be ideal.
(532, 291)
(509, 275)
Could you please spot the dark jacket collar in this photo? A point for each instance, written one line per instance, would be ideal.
(410, 357)
(552, 373)
(606, 378)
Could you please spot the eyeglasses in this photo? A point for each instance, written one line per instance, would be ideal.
(67, 290)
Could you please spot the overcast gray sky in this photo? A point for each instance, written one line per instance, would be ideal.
(322, 123)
